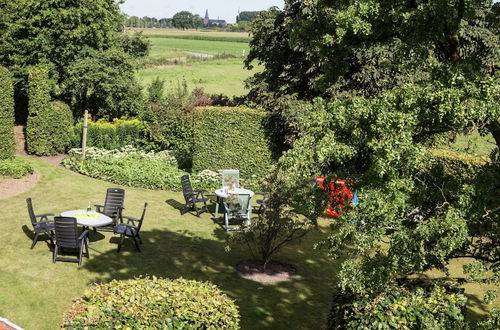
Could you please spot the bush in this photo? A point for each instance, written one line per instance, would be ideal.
(136, 45)
(15, 168)
(153, 303)
(231, 138)
(7, 141)
(128, 167)
(399, 308)
(115, 135)
(47, 131)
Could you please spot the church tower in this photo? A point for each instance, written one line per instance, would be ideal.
(206, 20)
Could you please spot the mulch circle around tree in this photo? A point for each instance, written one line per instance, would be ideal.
(275, 271)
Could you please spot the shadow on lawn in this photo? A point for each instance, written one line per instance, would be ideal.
(181, 254)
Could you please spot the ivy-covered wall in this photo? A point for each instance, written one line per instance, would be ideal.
(231, 138)
(49, 123)
(7, 141)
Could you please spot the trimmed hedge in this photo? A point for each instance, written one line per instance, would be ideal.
(15, 168)
(231, 137)
(7, 140)
(49, 123)
(146, 303)
(115, 135)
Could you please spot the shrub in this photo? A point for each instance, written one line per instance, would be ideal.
(15, 168)
(114, 135)
(7, 141)
(136, 45)
(47, 131)
(231, 138)
(128, 167)
(399, 308)
(153, 303)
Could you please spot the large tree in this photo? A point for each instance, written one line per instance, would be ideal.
(58, 33)
(394, 78)
(186, 20)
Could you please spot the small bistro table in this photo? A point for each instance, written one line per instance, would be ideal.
(88, 218)
(221, 195)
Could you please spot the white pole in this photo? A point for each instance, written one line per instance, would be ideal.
(84, 136)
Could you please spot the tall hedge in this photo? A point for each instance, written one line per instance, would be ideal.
(7, 140)
(49, 123)
(231, 138)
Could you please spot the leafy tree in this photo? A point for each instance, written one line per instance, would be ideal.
(395, 79)
(186, 20)
(136, 45)
(104, 82)
(246, 16)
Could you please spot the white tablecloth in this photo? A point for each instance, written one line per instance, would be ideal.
(94, 219)
(237, 191)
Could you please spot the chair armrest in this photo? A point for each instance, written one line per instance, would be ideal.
(98, 207)
(44, 215)
(84, 234)
(130, 218)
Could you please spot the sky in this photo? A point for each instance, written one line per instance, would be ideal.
(222, 9)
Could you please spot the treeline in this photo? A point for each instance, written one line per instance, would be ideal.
(147, 22)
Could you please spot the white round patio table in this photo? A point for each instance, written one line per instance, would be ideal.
(88, 219)
(223, 193)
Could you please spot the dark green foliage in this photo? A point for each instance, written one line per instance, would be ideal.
(7, 141)
(128, 167)
(105, 135)
(15, 168)
(186, 20)
(104, 83)
(153, 303)
(227, 138)
(136, 45)
(57, 32)
(246, 16)
(49, 123)
(399, 308)
(156, 91)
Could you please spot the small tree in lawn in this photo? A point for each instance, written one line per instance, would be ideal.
(290, 213)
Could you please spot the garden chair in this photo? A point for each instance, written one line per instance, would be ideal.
(228, 176)
(113, 206)
(236, 208)
(131, 229)
(42, 226)
(192, 197)
(67, 238)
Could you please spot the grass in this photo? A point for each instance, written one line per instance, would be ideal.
(474, 144)
(220, 76)
(34, 293)
(215, 76)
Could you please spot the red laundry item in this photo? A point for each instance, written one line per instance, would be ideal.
(340, 196)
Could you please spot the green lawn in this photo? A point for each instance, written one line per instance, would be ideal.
(34, 293)
(215, 76)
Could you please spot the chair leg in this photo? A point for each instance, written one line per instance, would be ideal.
(54, 254)
(139, 237)
(35, 239)
(122, 237)
(80, 251)
(86, 248)
(137, 244)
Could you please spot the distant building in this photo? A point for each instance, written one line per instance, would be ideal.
(207, 22)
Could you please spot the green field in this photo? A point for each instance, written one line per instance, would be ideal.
(171, 58)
